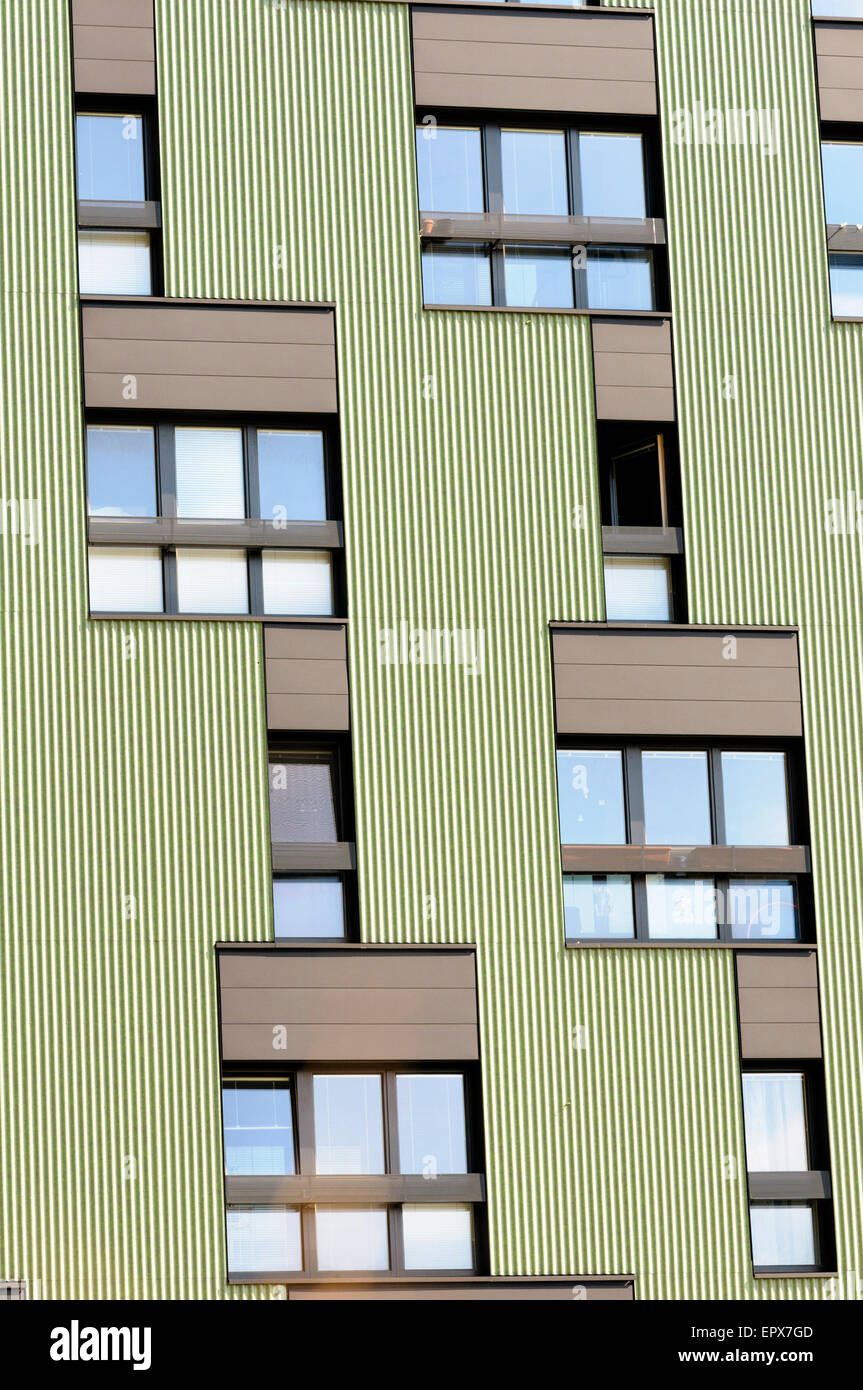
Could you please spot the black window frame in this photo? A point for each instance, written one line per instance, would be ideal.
(490, 126)
(146, 107)
(164, 425)
(301, 1076)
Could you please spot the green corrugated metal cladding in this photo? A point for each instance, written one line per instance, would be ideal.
(133, 806)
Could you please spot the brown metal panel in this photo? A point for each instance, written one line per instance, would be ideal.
(153, 357)
(673, 683)
(348, 968)
(673, 647)
(534, 60)
(349, 1005)
(642, 540)
(115, 78)
(116, 13)
(633, 369)
(779, 1187)
(502, 26)
(166, 530)
(308, 712)
(634, 403)
(631, 335)
(202, 393)
(839, 40)
(779, 1006)
(780, 1040)
(535, 94)
(95, 213)
(700, 719)
(777, 970)
(841, 105)
(200, 323)
(551, 228)
(303, 677)
(310, 1187)
(114, 43)
(332, 1042)
(309, 643)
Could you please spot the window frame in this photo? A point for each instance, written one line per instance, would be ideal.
(149, 220)
(490, 126)
(301, 1077)
(164, 426)
(720, 883)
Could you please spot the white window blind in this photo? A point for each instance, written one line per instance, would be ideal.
(298, 581)
(114, 262)
(212, 581)
(125, 581)
(637, 589)
(209, 468)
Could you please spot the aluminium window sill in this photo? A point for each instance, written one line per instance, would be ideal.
(331, 856)
(815, 1272)
(527, 311)
(642, 540)
(811, 1184)
(302, 1189)
(279, 619)
(483, 227)
(252, 533)
(707, 859)
(123, 215)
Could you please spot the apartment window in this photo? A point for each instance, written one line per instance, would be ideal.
(310, 796)
(194, 474)
(688, 797)
(353, 1123)
(833, 9)
(642, 539)
(118, 211)
(530, 172)
(784, 1134)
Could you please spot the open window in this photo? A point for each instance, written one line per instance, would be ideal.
(642, 537)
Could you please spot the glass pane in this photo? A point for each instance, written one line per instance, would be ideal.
(264, 1239)
(121, 470)
(352, 1238)
(114, 262)
(774, 1114)
(297, 581)
(210, 481)
(619, 278)
(302, 799)
(755, 794)
(846, 286)
(449, 164)
(212, 581)
(349, 1124)
(838, 9)
(842, 165)
(598, 906)
(259, 1127)
(125, 581)
(534, 172)
(291, 475)
(456, 274)
(438, 1237)
(763, 911)
(110, 158)
(432, 1134)
(637, 588)
(590, 795)
(309, 907)
(612, 175)
(681, 908)
(783, 1233)
(676, 798)
(538, 278)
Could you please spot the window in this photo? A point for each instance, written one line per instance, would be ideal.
(640, 508)
(259, 1127)
(310, 800)
(677, 799)
(215, 473)
(530, 171)
(117, 202)
(347, 1124)
(590, 792)
(842, 169)
(833, 9)
(783, 1134)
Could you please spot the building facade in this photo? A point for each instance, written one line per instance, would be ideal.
(431, 579)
